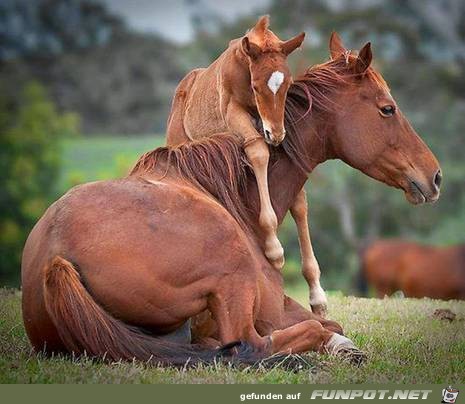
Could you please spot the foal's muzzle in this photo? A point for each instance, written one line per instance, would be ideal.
(273, 137)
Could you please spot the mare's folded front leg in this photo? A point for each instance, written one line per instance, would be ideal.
(258, 154)
(310, 267)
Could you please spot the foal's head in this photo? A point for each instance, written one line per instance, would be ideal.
(371, 133)
(270, 76)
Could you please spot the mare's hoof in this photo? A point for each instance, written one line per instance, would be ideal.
(343, 347)
(319, 309)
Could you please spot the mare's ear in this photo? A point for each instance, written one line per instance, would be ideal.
(262, 24)
(292, 44)
(252, 50)
(363, 59)
(336, 48)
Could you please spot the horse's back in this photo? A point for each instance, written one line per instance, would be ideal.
(434, 271)
(139, 246)
(199, 105)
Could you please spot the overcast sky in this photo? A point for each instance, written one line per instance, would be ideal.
(171, 18)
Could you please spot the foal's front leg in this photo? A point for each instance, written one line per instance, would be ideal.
(310, 267)
(239, 122)
(259, 155)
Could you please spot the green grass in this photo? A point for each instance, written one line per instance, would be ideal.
(403, 342)
(102, 157)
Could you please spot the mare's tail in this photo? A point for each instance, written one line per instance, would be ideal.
(85, 327)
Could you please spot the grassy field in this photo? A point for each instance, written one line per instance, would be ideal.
(403, 342)
(102, 157)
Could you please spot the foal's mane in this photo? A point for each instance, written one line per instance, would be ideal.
(218, 165)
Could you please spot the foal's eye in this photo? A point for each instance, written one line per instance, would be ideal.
(387, 110)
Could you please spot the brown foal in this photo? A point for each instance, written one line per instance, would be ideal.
(113, 266)
(250, 79)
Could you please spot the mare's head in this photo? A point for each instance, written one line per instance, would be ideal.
(368, 129)
(270, 76)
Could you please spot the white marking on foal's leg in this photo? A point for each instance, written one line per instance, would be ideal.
(275, 81)
(317, 295)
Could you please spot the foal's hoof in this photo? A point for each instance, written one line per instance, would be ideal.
(278, 264)
(319, 309)
(275, 255)
(343, 347)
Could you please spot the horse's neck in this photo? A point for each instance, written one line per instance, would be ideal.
(286, 179)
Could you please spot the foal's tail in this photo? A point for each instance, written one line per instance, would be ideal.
(85, 327)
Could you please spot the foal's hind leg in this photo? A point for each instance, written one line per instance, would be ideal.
(175, 131)
(310, 267)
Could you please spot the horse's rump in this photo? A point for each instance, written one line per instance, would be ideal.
(140, 247)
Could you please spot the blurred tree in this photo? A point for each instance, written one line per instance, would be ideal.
(90, 62)
(49, 27)
(30, 157)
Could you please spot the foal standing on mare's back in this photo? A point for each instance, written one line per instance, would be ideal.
(250, 78)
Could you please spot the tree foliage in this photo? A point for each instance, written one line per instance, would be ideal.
(30, 160)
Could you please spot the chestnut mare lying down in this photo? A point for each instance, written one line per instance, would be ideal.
(112, 265)
(416, 269)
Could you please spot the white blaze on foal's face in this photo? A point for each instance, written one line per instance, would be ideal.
(275, 81)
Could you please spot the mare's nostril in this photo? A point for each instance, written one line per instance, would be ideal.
(438, 179)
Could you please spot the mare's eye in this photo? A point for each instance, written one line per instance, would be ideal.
(387, 110)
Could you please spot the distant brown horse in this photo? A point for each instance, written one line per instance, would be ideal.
(112, 264)
(415, 269)
(249, 79)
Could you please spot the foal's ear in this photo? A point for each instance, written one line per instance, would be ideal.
(363, 59)
(336, 48)
(252, 50)
(262, 24)
(292, 44)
